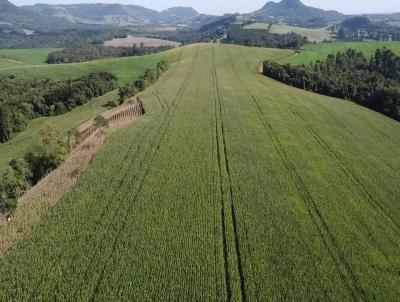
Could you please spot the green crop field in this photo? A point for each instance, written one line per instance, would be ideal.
(313, 35)
(126, 69)
(231, 187)
(315, 52)
(34, 56)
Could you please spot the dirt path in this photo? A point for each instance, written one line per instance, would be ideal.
(13, 61)
(37, 202)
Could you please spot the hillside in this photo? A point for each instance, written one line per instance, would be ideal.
(295, 12)
(127, 70)
(231, 187)
(313, 34)
(17, 17)
(116, 14)
(321, 51)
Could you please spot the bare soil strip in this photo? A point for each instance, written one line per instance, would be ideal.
(129, 41)
(37, 202)
(13, 61)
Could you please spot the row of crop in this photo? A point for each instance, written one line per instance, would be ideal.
(284, 244)
(140, 229)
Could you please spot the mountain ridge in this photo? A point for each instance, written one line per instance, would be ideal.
(294, 12)
(116, 14)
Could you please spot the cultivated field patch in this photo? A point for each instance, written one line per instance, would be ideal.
(129, 41)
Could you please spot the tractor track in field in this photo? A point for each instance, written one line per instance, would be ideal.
(354, 178)
(222, 205)
(261, 79)
(256, 284)
(122, 181)
(379, 131)
(332, 116)
(368, 236)
(345, 270)
(102, 212)
(159, 101)
(162, 135)
(164, 105)
(225, 164)
(213, 196)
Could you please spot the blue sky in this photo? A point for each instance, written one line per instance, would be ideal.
(231, 6)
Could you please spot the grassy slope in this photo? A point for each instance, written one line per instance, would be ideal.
(4, 63)
(34, 56)
(232, 186)
(317, 35)
(321, 51)
(23, 141)
(128, 70)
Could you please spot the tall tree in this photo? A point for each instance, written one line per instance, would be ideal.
(5, 123)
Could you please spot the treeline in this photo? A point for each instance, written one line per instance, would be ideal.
(42, 159)
(23, 173)
(21, 101)
(90, 34)
(147, 79)
(263, 38)
(373, 83)
(361, 28)
(372, 33)
(94, 52)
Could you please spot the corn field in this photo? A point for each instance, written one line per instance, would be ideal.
(232, 187)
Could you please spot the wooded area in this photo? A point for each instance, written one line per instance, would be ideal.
(86, 53)
(263, 38)
(373, 83)
(21, 101)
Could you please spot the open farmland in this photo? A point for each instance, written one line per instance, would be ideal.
(129, 41)
(231, 187)
(126, 69)
(31, 56)
(313, 35)
(311, 53)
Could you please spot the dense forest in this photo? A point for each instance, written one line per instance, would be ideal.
(21, 101)
(361, 28)
(263, 38)
(373, 83)
(90, 52)
(11, 38)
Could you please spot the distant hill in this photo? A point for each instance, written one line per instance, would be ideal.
(296, 13)
(174, 14)
(17, 17)
(116, 14)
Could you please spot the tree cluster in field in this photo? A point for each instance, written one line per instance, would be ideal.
(147, 79)
(361, 28)
(21, 101)
(263, 38)
(22, 173)
(95, 52)
(373, 83)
